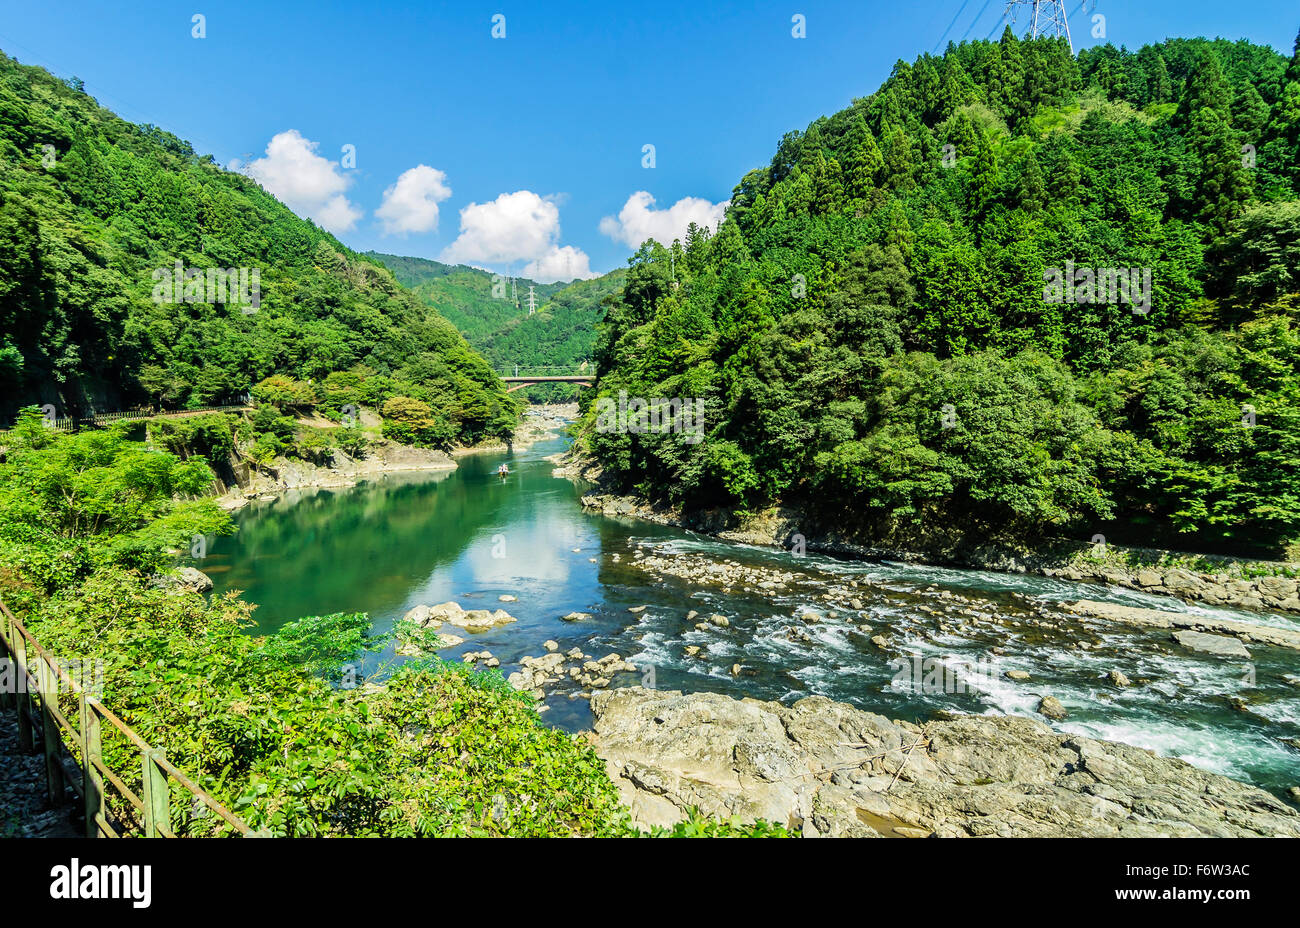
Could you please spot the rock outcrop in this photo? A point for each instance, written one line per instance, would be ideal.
(382, 457)
(184, 580)
(824, 768)
(451, 613)
(1157, 618)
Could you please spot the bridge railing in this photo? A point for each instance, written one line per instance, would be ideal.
(547, 372)
(74, 753)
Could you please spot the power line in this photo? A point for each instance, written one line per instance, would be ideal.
(125, 112)
(977, 18)
(950, 25)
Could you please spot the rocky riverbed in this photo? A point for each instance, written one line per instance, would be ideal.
(1214, 581)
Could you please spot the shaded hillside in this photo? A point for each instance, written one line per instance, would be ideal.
(95, 216)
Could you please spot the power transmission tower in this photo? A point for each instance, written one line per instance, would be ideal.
(532, 301)
(1047, 17)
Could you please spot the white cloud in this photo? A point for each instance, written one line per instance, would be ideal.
(560, 263)
(519, 226)
(638, 220)
(305, 182)
(411, 204)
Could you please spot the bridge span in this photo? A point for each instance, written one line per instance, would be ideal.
(518, 383)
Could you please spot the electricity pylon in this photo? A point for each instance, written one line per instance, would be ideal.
(1047, 17)
(532, 301)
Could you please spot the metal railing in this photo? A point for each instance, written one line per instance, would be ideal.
(100, 419)
(35, 697)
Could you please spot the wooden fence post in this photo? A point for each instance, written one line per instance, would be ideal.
(92, 752)
(50, 733)
(7, 699)
(156, 805)
(24, 698)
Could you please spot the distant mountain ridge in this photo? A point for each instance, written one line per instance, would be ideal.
(561, 334)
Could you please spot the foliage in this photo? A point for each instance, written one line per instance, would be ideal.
(697, 826)
(870, 330)
(274, 727)
(71, 503)
(94, 209)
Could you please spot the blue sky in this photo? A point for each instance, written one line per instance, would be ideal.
(523, 154)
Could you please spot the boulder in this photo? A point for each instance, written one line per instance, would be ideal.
(419, 615)
(480, 619)
(184, 580)
(1212, 644)
(1155, 618)
(1050, 707)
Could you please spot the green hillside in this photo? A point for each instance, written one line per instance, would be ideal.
(95, 213)
(560, 335)
(876, 335)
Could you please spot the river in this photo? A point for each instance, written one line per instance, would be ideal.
(468, 535)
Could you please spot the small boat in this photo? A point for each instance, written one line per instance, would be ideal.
(503, 471)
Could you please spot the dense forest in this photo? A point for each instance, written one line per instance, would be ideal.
(98, 216)
(911, 320)
(561, 334)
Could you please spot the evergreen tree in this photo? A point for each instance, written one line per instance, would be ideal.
(899, 165)
(862, 162)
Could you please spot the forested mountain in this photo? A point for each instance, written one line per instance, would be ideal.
(894, 327)
(98, 215)
(561, 334)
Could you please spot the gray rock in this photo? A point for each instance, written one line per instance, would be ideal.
(184, 580)
(1155, 618)
(419, 615)
(1212, 644)
(1118, 679)
(825, 768)
(1050, 707)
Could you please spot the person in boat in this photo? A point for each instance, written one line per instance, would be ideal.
(503, 471)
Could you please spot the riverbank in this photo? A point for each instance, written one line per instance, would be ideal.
(1214, 581)
(382, 457)
(386, 457)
